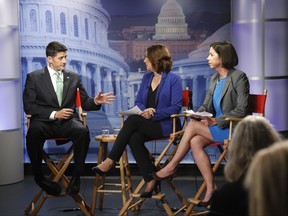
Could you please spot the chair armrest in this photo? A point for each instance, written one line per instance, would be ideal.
(28, 116)
(122, 114)
(84, 118)
(233, 119)
(174, 117)
(178, 115)
(123, 118)
(177, 134)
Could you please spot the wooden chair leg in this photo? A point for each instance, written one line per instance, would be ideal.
(136, 194)
(38, 206)
(32, 203)
(100, 183)
(127, 172)
(101, 156)
(128, 205)
(122, 181)
(85, 208)
(57, 175)
(34, 207)
(103, 179)
(203, 185)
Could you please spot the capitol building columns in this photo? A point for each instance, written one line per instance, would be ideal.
(195, 88)
(207, 79)
(29, 61)
(84, 75)
(97, 79)
(90, 76)
(107, 87)
(118, 90)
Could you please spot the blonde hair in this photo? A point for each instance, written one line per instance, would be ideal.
(250, 135)
(267, 181)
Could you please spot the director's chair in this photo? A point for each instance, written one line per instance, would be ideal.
(256, 105)
(58, 166)
(135, 202)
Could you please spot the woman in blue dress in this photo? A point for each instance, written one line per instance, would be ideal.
(227, 96)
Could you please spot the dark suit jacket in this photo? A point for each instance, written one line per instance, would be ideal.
(39, 96)
(234, 99)
(230, 200)
(168, 98)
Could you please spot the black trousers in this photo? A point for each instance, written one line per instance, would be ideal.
(135, 132)
(73, 129)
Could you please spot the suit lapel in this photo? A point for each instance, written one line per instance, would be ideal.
(162, 82)
(226, 85)
(66, 78)
(47, 82)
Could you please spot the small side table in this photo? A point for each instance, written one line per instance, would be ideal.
(125, 175)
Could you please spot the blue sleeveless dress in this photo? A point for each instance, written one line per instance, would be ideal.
(218, 134)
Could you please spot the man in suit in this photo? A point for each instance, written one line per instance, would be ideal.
(49, 96)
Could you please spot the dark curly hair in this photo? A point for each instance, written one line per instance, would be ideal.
(226, 52)
(160, 58)
(55, 47)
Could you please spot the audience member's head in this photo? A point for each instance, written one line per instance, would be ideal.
(267, 181)
(250, 135)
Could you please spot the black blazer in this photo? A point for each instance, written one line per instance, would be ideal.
(230, 200)
(39, 96)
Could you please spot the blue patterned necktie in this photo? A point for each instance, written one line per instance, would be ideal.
(59, 88)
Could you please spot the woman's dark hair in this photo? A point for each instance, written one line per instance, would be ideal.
(55, 47)
(227, 53)
(160, 58)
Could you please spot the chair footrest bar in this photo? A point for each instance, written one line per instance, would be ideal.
(109, 191)
(180, 209)
(113, 184)
(64, 194)
(158, 196)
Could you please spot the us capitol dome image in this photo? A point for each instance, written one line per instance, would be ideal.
(171, 23)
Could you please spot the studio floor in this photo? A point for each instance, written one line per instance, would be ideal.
(16, 197)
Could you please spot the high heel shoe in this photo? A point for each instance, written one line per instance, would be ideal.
(98, 171)
(200, 203)
(155, 176)
(156, 188)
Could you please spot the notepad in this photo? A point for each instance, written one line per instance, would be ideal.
(133, 111)
(202, 114)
